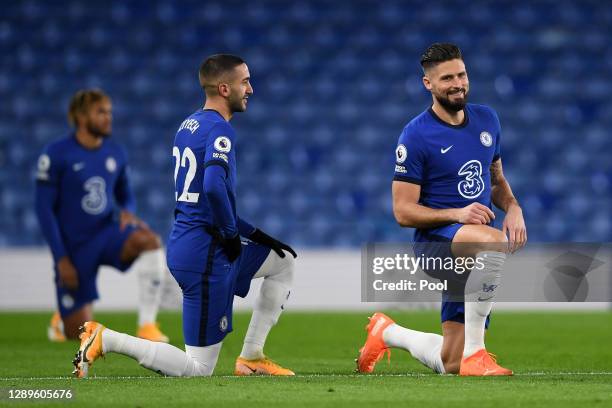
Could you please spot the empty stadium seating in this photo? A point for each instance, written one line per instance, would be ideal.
(335, 82)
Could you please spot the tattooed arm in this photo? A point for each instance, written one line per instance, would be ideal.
(502, 197)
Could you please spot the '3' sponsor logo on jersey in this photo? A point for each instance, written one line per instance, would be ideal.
(95, 201)
(472, 184)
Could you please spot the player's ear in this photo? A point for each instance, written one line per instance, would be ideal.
(426, 83)
(80, 118)
(223, 89)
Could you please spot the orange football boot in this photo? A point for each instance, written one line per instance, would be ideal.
(482, 363)
(90, 349)
(374, 348)
(262, 366)
(55, 331)
(150, 331)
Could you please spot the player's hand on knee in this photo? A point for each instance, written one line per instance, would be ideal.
(232, 247)
(514, 228)
(277, 246)
(67, 273)
(127, 218)
(475, 213)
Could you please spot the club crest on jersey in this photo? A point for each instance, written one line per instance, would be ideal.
(486, 139)
(111, 165)
(400, 154)
(223, 144)
(223, 324)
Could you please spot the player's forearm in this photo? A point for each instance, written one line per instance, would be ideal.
(502, 196)
(45, 199)
(244, 228)
(218, 200)
(124, 195)
(414, 215)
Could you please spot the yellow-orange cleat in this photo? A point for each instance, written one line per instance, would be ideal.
(55, 331)
(90, 349)
(482, 363)
(150, 331)
(263, 366)
(374, 348)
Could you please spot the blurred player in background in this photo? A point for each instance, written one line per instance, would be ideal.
(448, 172)
(205, 252)
(85, 208)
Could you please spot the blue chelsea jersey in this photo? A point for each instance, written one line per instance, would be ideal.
(203, 139)
(451, 163)
(89, 184)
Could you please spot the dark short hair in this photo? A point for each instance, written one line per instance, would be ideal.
(438, 53)
(215, 66)
(81, 102)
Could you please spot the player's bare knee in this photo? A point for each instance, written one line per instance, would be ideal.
(492, 240)
(153, 241)
(147, 241)
(497, 241)
(140, 241)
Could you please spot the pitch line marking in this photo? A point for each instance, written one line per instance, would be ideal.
(407, 375)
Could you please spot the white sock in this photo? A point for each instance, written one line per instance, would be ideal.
(171, 294)
(150, 267)
(425, 347)
(278, 277)
(163, 358)
(480, 292)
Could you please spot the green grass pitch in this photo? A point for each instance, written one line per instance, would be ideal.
(560, 360)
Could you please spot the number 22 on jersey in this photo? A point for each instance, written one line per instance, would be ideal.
(181, 160)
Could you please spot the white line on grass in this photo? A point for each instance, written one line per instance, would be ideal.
(534, 374)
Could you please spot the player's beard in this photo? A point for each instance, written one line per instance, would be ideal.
(97, 131)
(236, 104)
(452, 107)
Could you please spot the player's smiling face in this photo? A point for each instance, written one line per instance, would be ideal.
(449, 84)
(241, 89)
(99, 118)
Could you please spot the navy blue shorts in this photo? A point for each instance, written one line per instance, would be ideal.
(436, 242)
(103, 249)
(208, 293)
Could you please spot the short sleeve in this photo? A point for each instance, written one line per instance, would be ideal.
(409, 157)
(497, 152)
(220, 146)
(49, 166)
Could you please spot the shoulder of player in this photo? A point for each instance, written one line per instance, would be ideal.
(483, 110)
(222, 128)
(115, 148)
(413, 131)
(56, 149)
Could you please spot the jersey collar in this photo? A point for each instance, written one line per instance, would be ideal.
(459, 126)
(214, 110)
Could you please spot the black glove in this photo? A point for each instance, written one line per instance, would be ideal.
(264, 239)
(232, 247)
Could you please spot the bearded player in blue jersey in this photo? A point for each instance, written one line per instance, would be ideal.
(206, 254)
(448, 172)
(85, 208)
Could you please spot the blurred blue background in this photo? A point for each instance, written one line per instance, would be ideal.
(335, 82)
